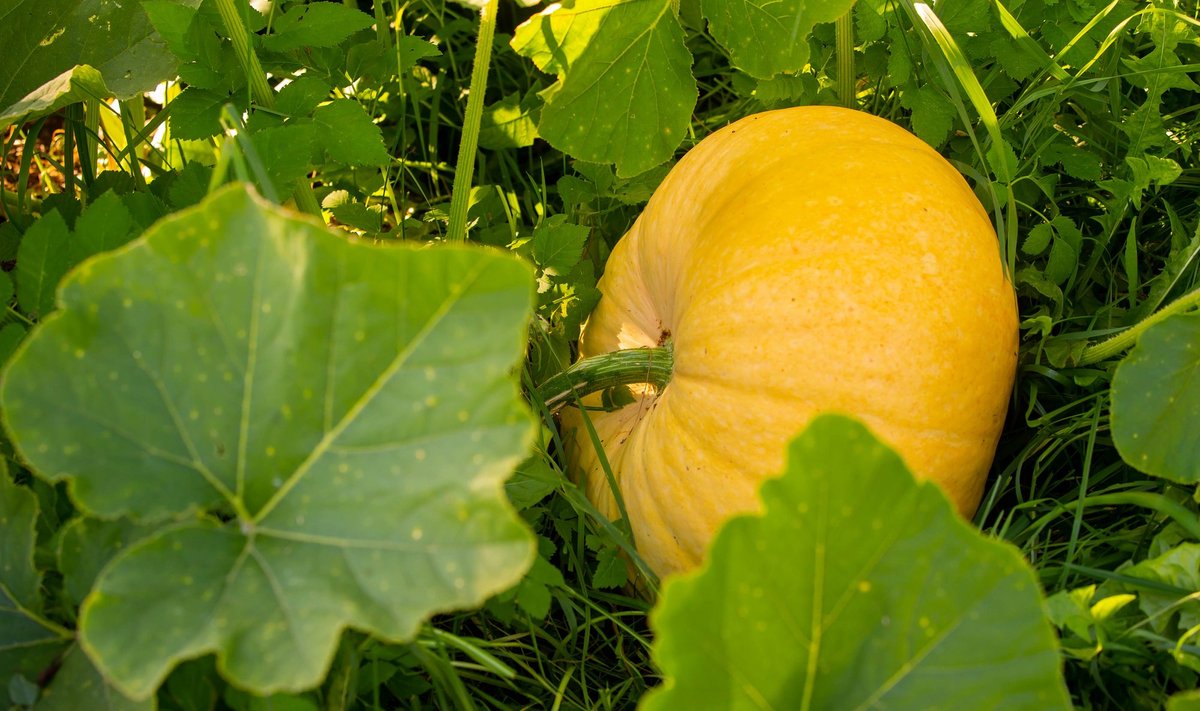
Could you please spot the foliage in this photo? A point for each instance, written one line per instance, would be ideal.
(871, 620)
(1075, 121)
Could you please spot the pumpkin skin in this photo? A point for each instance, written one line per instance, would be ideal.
(806, 260)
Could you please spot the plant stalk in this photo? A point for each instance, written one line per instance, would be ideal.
(652, 366)
(1125, 339)
(464, 171)
(845, 59)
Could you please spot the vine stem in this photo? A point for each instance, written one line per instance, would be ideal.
(652, 366)
(845, 58)
(1123, 340)
(306, 200)
(464, 171)
(1155, 502)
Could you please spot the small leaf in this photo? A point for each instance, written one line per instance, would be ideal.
(625, 92)
(348, 211)
(1076, 161)
(769, 37)
(533, 592)
(348, 135)
(1038, 239)
(286, 153)
(858, 588)
(1178, 568)
(301, 96)
(105, 225)
(412, 49)
(336, 419)
(79, 685)
(315, 24)
(509, 123)
(196, 113)
(611, 570)
(533, 481)
(558, 245)
(42, 260)
(932, 114)
(1156, 401)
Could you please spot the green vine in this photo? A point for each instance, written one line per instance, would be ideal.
(1125, 339)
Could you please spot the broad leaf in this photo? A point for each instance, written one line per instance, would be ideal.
(857, 589)
(1156, 401)
(60, 51)
(768, 37)
(330, 422)
(625, 92)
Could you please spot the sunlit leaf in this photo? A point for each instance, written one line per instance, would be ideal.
(59, 51)
(858, 588)
(338, 417)
(625, 91)
(768, 37)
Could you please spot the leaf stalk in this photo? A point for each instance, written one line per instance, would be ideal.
(1108, 348)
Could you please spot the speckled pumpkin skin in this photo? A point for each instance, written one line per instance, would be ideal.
(806, 260)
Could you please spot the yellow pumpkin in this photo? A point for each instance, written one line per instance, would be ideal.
(800, 261)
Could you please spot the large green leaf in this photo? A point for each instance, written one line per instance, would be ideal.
(625, 92)
(857, 589)
(330, 422)
(60, 51)
(1156, 401)
(769, 37)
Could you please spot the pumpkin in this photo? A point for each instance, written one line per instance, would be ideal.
(800, 261)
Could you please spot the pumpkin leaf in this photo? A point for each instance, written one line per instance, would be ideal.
(60, 51)
(766, 37)
(858, 588)
(625, 90)
(1156, 401)
(329, 422)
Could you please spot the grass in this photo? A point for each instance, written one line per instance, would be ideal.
(1059, 492)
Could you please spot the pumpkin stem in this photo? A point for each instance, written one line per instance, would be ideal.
(651, 366)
